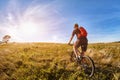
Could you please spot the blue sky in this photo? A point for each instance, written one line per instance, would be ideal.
(54, 19)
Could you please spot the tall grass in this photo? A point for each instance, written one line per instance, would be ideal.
(49, 61)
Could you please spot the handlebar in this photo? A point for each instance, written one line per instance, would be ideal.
(70, 44)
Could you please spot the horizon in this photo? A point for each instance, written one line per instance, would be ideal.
(61, 42)
(53, 20)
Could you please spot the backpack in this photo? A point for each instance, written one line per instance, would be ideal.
(83, 32)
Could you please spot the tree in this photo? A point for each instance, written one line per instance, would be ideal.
(5, 39)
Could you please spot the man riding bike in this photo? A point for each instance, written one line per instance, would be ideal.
(81, 40)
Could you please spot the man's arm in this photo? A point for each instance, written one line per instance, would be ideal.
(70, 39)
(73, 33)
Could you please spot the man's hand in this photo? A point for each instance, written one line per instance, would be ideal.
(69, 43)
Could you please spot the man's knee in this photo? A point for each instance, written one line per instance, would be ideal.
(75, 46)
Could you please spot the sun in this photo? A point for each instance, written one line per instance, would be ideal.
(29, 28)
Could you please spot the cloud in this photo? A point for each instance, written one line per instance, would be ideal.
(36, 22)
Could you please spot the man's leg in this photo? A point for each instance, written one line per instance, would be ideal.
(84, 46)
(75, 47)
(75, 50)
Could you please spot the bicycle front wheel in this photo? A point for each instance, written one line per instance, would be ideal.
(88, 65)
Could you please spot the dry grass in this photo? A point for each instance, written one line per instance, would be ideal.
(49, 61)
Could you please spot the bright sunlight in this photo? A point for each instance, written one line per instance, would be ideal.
(28, 28)
(34, 21)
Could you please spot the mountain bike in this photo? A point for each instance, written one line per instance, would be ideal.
(85, 62)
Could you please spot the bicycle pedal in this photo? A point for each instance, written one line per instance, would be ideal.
(78, 58)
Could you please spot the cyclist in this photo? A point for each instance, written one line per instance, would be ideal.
(80, 42)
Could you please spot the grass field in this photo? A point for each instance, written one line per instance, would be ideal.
(50, 61)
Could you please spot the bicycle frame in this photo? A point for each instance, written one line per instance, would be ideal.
(76, 52)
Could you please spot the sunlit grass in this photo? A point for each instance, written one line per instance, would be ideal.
(49, 61)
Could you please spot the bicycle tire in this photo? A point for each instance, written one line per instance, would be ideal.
(92, 67)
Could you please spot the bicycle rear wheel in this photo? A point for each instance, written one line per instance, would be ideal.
(88, 65)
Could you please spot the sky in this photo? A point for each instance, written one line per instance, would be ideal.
(53, 20)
